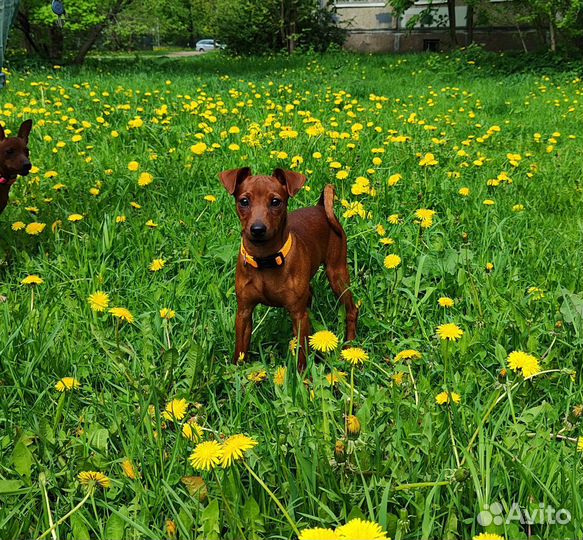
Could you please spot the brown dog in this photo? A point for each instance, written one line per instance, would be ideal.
(280, 253)
(14, 159)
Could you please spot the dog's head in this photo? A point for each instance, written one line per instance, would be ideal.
(14, 155)
(262, 200)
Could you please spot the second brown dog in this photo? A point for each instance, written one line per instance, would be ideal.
(280, 253)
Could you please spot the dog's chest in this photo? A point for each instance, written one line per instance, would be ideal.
(277, 287)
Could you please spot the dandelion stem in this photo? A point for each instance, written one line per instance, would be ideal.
(453, 443)
(404, 487)
(68, 514)
(350, 406)
(227, 505)
(43, 485)
(414, 384)
(275, 499)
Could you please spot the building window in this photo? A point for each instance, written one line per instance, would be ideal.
(431, 45)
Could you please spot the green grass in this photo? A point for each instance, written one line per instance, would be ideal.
(516, 440)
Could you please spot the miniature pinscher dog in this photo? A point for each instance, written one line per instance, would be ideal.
(281, 252)
(14, 159)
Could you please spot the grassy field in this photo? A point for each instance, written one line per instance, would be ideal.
(467, 168)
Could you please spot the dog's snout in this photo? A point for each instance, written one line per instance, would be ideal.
(26, 166)
(258, 229)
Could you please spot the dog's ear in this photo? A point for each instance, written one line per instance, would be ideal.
(2, 134)
(293, 181)
(231, 178)
(24, 130)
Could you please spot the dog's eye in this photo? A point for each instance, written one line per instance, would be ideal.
(10, 152)
(275, 202)
(244, 202)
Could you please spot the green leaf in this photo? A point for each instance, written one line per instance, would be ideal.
(22, 459)
(98, 437)
(80, 531)
(211, 521)
(10, 486)
(115, 528)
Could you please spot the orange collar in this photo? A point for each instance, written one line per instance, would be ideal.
(271, 261)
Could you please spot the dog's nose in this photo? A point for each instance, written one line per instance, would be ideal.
(258, 230)
(27, 166)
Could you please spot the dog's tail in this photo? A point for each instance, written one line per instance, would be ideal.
(327, 201)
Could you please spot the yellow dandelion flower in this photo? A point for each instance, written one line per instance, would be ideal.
(318, 533)
(167, 313)
(120, 219)
(536, 293)
(336, 377)
(157, 264)
(18, 226)
(210, 198)
(122, 313)
(175, 409)
(354, 355)
(279, 376)
(447, 397)
(133, 166)
(428, 160)
(361, 529)
(394, 179)
(129, 469)
(449, 331)
(518, 208)
(145, 179)
(445, 302)
(67, 383)
(407, 354)
(353, 426)
(527, 363)
(198, 149)
(392, 261)
(75, 217)
(394, 219)
(88, 478)
(464, 192)
(487, 536)
(192, 431)
(206, 456)
(580, 444)
(35, 228)
(257, 376)
(98, 301)
(171, 528)
(489, 202)
(235, 447)
(135, 205)
(32, 280)
(387, 241)
(151, 224)
(323, 341)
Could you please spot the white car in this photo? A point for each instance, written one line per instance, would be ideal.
(204, 45)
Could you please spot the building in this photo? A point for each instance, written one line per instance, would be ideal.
(374, 27)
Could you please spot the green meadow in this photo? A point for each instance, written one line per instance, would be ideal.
(458, 182)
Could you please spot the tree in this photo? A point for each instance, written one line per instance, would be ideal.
(556, 15)
(84, 22)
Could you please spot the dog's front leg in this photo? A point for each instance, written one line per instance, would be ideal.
(243, 328)
(301, 323)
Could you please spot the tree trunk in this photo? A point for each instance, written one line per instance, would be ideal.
(452, 25)
(552, 35)
(95, 32)
(470, 24)
(56, 43)
(23, 24)
(88, 44)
